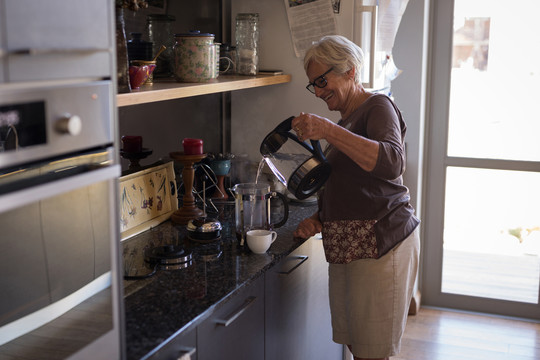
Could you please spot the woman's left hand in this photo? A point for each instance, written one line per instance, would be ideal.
(361, 150)
(311, 126)
(308, 227)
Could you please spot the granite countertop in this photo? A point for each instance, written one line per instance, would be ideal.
(169, 302)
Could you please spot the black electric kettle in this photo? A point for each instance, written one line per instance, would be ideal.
(301, 167)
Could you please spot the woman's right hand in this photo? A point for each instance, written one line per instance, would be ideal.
(308, 227)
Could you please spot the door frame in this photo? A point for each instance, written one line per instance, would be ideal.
(439, 77)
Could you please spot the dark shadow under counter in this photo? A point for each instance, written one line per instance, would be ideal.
(173, 301)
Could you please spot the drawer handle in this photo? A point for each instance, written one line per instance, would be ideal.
(226, 322)
(186, 353)
(302, 259)
(53, 51)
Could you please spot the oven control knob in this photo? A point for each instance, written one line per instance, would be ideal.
(69, 124)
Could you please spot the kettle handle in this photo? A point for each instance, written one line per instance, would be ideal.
(286, 127)
(318, 150)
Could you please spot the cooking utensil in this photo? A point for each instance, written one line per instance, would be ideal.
(301, 167)
(204, 229)
(161, 49)
(252, 208)
(138, 74)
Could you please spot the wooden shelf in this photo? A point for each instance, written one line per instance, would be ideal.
(170, 89)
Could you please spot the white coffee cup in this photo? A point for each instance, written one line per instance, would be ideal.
(259, 241)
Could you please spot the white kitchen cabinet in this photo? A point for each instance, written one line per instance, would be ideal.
(297, 313)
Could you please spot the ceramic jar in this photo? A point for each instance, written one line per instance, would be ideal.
(138, 74)
(196, 57)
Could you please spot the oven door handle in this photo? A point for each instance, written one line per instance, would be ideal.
(52, 51)
(36, 193)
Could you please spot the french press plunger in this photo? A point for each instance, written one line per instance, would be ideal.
(301, 167)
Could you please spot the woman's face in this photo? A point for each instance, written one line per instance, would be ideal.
(337, 89)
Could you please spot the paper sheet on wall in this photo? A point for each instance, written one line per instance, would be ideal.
(309, 20)
(390, 14)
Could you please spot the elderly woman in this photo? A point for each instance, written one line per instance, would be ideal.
(369, 230)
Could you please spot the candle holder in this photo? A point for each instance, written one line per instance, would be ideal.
(188, 210)
(221, 169)
(135, 157)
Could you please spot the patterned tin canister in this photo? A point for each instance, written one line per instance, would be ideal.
(195, 57)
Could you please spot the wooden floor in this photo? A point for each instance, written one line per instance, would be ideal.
(504, 277)
(435, 334)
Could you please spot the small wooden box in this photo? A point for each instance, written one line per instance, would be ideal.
(147, 198)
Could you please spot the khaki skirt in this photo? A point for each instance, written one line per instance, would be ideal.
(369, 299)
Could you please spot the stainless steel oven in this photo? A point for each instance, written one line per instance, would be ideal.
(59, 223)
(59, 229)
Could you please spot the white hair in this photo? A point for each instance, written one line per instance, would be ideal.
(338, 52)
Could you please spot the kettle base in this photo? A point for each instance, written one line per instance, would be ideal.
(308, 178)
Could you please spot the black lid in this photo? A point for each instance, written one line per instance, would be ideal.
(273, 141)
(160, 17)
(194, 33)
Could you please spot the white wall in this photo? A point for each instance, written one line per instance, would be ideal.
(409, 90)
(255, 112)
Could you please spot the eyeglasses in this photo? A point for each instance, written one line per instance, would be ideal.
(319, 82)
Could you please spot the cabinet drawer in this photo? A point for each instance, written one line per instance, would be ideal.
(185, 343)
(44, 43)
(40, 25)
(235, 331)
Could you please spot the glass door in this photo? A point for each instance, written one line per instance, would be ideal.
(482, 239)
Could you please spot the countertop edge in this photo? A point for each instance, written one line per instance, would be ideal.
(285, 245)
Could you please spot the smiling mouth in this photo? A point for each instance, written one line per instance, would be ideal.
(326, 98)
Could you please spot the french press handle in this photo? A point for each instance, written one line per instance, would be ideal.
(286, 126)
(283, 198)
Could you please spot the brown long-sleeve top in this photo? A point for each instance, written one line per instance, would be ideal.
(365, 214)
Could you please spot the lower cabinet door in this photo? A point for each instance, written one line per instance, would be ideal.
(236, 330)
(182, 345)
(297, 312)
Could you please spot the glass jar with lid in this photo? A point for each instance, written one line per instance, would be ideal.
(247, 43)
(160, 32)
